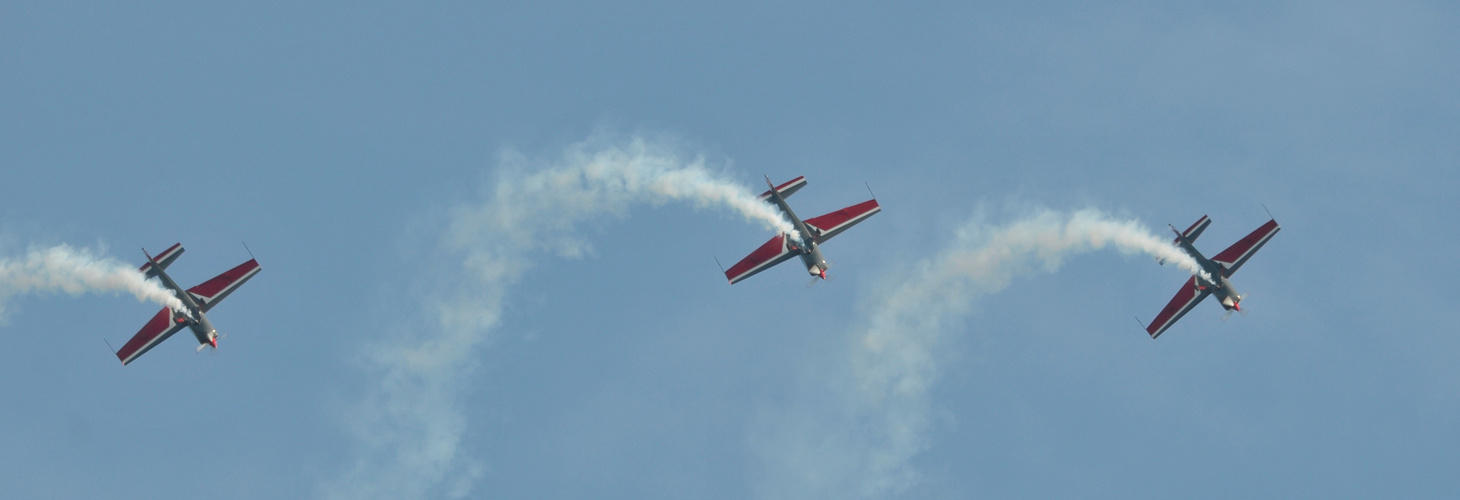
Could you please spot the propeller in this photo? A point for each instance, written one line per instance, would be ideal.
(816, 279)
(213, 344)
(1237, 307)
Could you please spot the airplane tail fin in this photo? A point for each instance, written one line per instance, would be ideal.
(786, 190)
(157, 269)
(167, 282)
(1194, 231)
(163, 259)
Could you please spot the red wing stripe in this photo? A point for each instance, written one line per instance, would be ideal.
(214, 290)
(834, 223)
(767, 256)
(1186, 298)
(1237, 254)
(154, 332)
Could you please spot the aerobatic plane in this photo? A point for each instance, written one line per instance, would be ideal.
(1218, 269)
(807, 244)
(197, 300)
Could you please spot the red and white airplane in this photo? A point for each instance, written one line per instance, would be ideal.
(197, 300)
(1218, 268)
(813, 232)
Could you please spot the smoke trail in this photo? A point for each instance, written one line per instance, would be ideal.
(538, 211)
(64, 269)
(410, 426)
(860, 443)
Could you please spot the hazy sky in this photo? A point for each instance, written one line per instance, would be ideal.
(437, 318)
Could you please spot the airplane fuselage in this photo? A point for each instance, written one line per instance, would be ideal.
(195, 319)
(805, 242)
(201, 327)
(1217, 285)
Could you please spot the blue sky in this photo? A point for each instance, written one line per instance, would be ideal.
(346, 143)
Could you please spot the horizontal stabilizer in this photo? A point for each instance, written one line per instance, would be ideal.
(163, 259)
(787, 189)
(1195, 230)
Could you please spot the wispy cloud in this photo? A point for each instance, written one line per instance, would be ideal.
(76, 271)
(411, 426)
(869, 413)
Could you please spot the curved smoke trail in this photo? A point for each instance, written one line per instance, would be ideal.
(76, 271)
(857, 439)
(410, 427)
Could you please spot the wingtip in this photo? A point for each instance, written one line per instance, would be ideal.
(1142, 323)
(114, 351)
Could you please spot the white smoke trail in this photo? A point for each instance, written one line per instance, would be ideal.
(594, 178)
(76, 271)
(411, 426)
(860, 444)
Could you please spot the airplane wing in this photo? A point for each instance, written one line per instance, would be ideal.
(211, 292)
(1237, 254)
(154, 332)
(767, 256)
(1186, 298)
(834, 223)
(163, 259)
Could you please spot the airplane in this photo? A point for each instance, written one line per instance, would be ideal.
(1217, 270)
(807, 244)
(197, 300)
